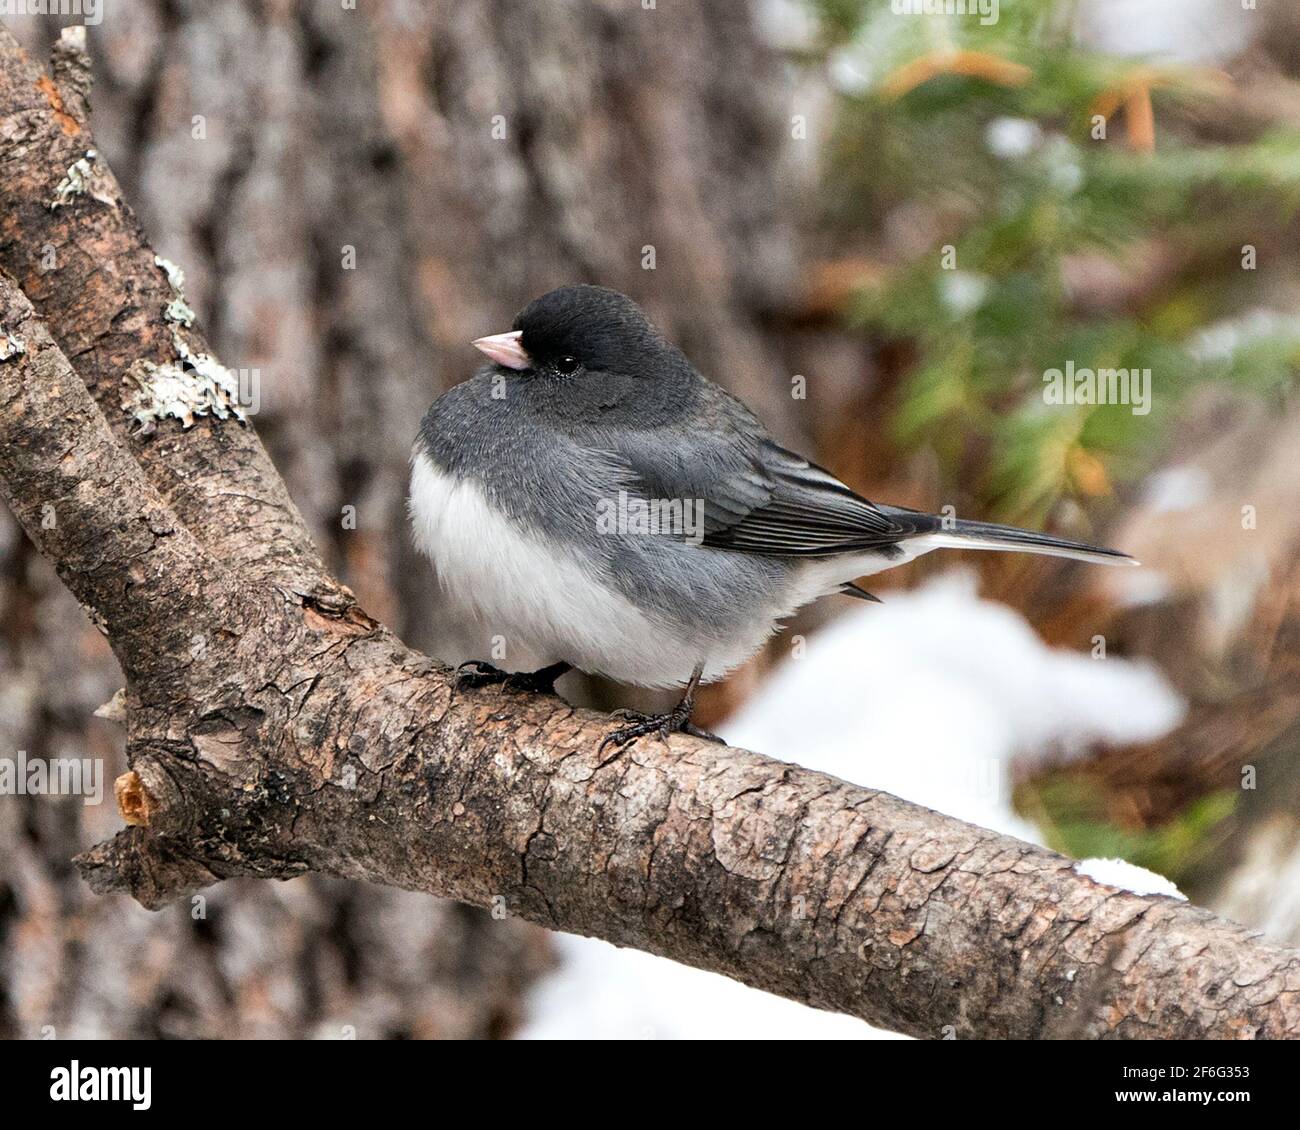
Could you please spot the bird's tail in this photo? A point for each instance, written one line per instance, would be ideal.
(989, 535)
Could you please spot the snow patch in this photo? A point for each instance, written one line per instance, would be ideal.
(1127, 876)
(931, 696)
(1175, 489)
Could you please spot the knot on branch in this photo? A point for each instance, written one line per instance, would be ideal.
(147, 867)
(133, 799)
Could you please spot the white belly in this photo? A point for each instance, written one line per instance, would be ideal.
(525, 604)
(520, 604)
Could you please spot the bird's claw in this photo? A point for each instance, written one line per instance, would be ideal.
(475, 673)
(639, 725)
(675, 721)
(700, 732)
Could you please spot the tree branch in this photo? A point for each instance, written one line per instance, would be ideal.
(294, 737)
(77, 251)
(86, 505)
(355, 758)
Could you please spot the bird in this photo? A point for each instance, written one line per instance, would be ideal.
(588, 499)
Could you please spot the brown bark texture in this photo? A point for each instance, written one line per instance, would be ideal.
(255, 143)
(276, 729)
(314, 957)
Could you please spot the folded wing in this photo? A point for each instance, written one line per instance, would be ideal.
(807, 512)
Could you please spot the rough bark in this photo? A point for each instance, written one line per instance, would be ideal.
(272, 733)
(299, 742)
(40, 135)
(371, 128)
(318, 955)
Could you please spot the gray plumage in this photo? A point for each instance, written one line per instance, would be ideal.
(589, 401)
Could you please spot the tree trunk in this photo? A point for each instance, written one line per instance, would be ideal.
(275, 729)
(258, 144)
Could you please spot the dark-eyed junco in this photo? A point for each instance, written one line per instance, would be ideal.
(590, 500)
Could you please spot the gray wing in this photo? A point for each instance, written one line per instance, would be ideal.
(808, 512)
(758, 497)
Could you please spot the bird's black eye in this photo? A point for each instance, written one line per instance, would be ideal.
(566, 365)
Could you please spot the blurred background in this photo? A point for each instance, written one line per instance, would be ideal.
(880, 229)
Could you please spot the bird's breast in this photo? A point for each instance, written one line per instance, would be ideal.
(533, 599)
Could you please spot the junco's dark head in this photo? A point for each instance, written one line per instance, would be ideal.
(581, 330)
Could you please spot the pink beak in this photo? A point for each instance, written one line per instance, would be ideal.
(505, 349)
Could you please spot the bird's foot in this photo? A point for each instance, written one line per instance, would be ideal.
(476, 673)
(676, 721)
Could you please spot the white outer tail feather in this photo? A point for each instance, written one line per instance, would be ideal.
(968, 541)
